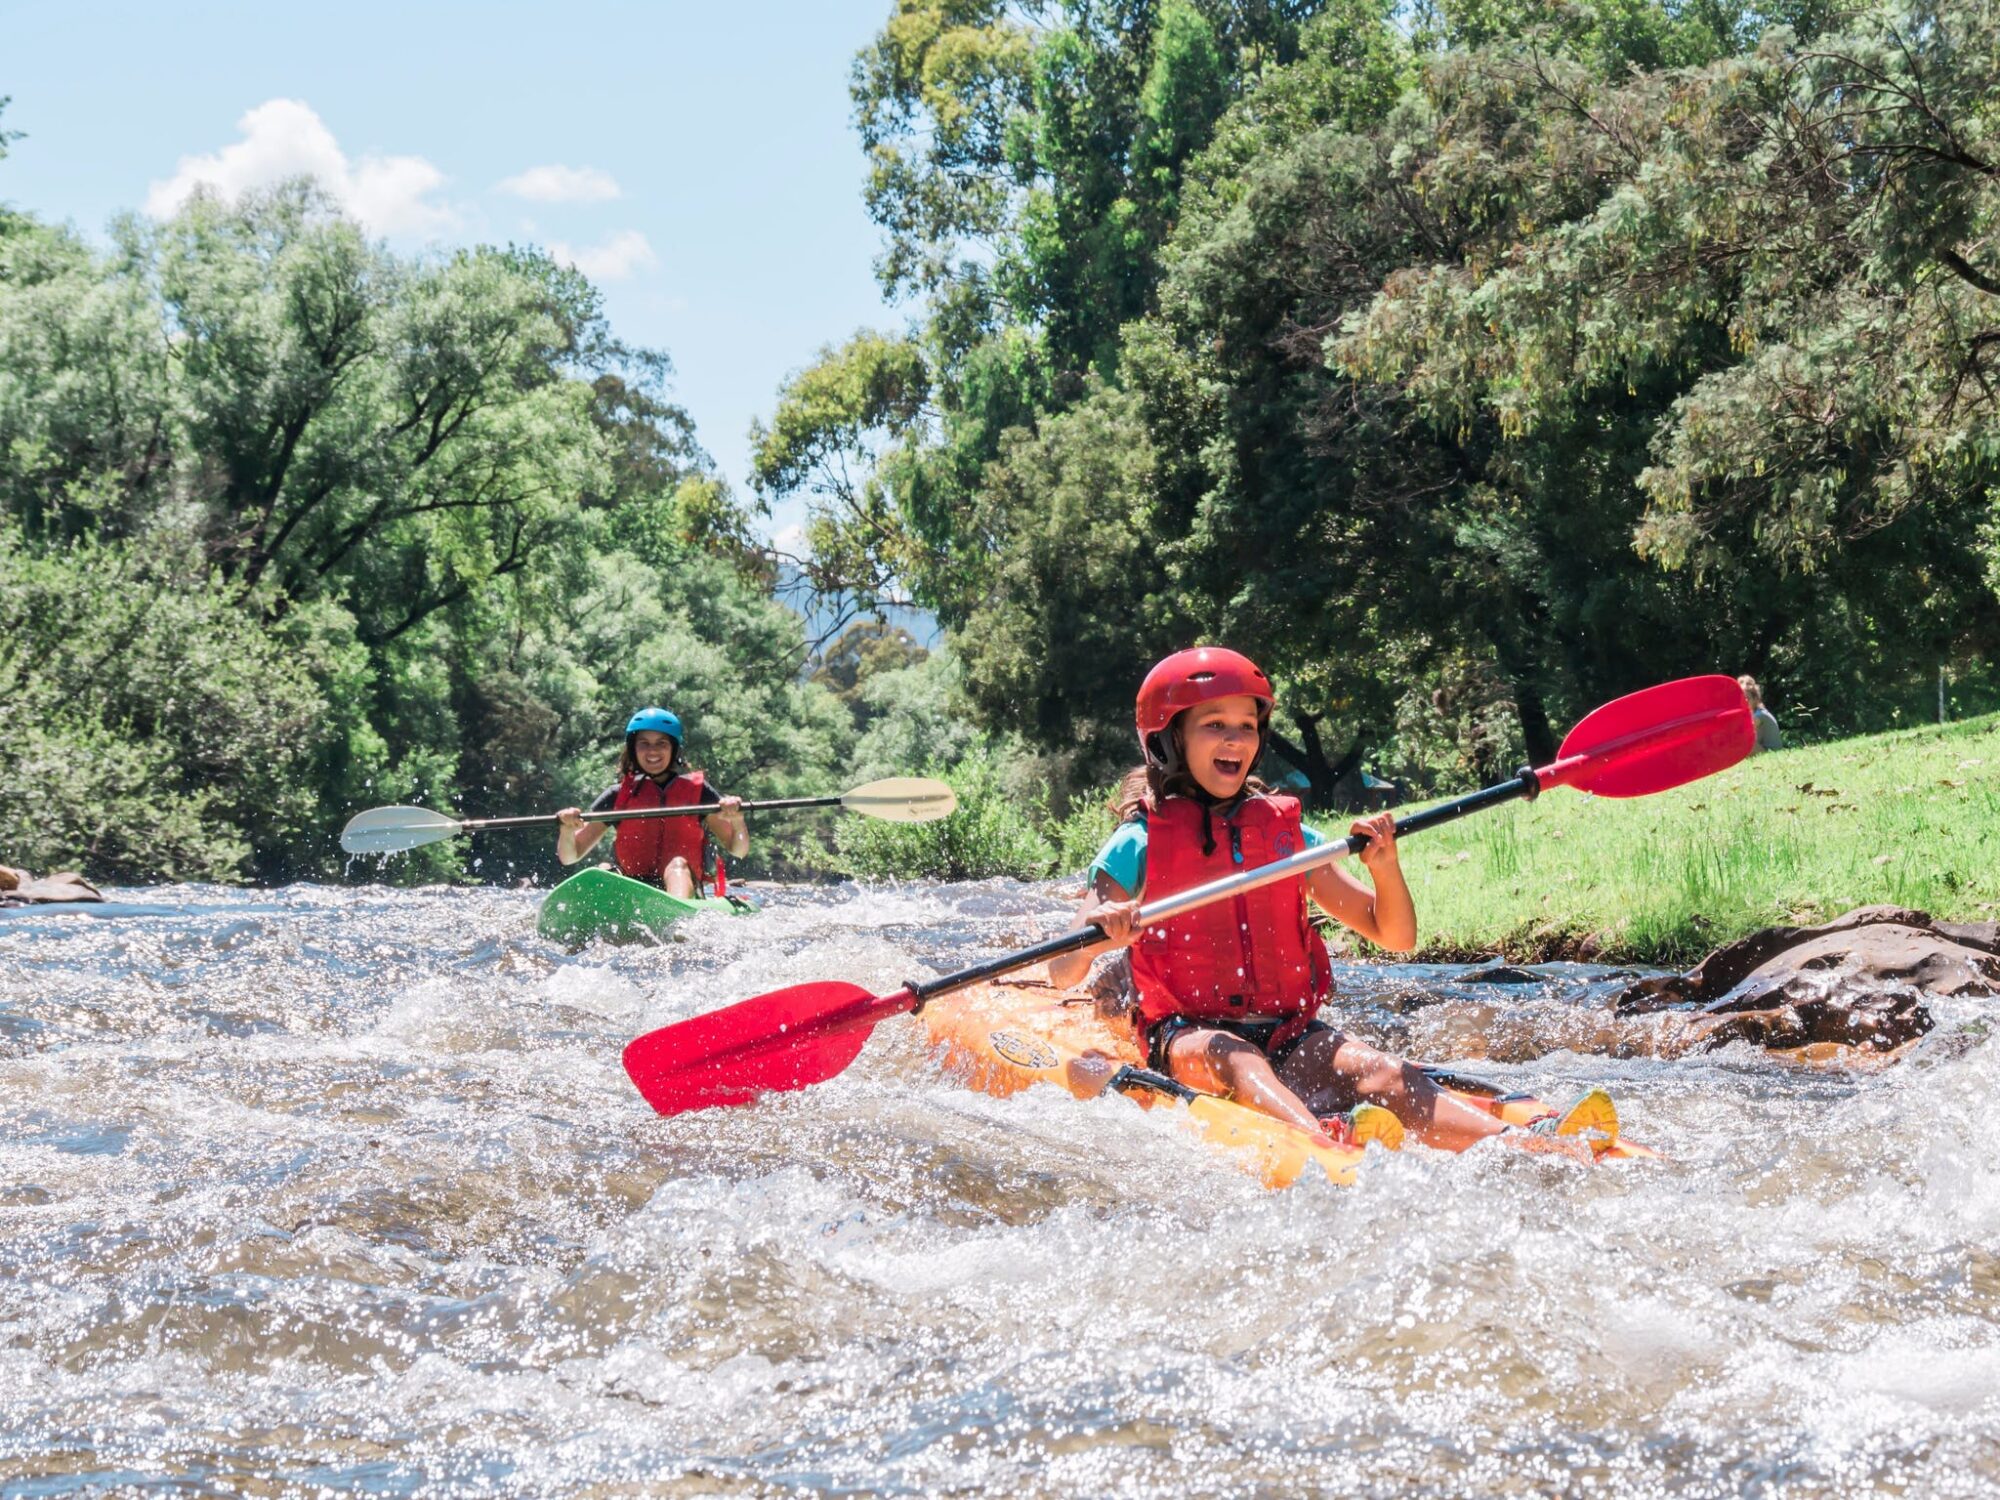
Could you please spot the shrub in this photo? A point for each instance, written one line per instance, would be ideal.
(156, 729)
(1078, 835)
(994, 832)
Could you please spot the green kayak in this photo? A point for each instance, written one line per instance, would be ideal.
(603, 903)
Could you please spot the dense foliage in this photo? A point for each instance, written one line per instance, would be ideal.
(290, 525)
(1469, 363)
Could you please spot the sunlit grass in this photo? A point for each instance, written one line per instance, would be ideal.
(1910, 818)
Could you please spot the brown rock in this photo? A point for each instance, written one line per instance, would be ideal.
(1852, 988)
(19, 888)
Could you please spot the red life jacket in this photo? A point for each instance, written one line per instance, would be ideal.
(646, 846)
(1253, 956)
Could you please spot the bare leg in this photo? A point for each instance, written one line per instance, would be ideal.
(1219, 1063)
(679, 880)
(1331, 1071)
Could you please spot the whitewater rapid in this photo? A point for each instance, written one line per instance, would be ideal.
(343, 1190)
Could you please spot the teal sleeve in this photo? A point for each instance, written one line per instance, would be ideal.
(1123, 858)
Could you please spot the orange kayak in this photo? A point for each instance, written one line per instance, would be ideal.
(1008, 1034)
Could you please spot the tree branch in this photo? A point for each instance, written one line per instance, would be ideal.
(1959, 266)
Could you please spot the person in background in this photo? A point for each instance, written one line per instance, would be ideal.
(667, 852)
(1768, 737)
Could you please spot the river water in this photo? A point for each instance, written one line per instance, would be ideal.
(331, 1190)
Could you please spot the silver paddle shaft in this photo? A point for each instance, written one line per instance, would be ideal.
(1527, 784)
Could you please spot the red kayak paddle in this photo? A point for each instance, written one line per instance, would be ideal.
(1646, 742)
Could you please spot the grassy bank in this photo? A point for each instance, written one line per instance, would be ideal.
(1911, 818)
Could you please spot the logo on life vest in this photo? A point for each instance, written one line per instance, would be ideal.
(1023, 1051)
(1284, 844)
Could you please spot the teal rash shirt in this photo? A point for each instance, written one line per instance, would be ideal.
(1123, 856)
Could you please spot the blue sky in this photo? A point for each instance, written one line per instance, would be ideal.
(698, 160)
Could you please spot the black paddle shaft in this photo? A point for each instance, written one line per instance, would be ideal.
(1526, 784)
(474, 825)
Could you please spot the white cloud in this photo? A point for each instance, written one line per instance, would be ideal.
(284, 138)
(611, 260)
(558, 184)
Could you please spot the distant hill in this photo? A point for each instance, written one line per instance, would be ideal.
(826, 618)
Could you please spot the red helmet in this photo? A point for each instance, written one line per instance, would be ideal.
(1190, 677)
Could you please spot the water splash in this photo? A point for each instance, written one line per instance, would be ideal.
(344, 1190)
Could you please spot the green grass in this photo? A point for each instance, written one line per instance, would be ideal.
(1796, 836)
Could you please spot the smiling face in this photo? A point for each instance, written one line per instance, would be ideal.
(654, 751)
(1219, 739)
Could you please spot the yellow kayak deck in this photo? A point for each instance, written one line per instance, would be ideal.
(1006, 1035)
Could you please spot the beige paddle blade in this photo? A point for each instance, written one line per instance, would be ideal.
(902, 799)
(391, 830)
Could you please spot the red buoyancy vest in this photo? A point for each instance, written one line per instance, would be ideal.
(1253, 956)
(646, 846)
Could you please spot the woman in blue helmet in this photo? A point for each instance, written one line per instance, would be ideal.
(668, 852)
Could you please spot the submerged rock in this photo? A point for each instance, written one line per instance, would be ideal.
(1848, 991)
(19, 888)
(1501, 973)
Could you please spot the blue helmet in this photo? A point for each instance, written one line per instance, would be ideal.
(659, 721)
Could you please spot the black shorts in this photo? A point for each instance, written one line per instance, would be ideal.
(1257, 1033)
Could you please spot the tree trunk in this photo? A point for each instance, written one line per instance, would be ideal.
(1308, 753)
(1522, 668)
(1536, 732)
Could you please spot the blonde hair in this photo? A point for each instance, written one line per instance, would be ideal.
(1753, 694)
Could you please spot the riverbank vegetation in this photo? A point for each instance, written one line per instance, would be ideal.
(1910, 818)
(1469, 365)
(290, 525)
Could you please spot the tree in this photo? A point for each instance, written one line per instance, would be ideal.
(865, 650)
(1026, 170)
(155, 726)
(1764, 268)
(290, 525)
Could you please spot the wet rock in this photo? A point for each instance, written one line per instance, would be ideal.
(19, 888)
(1499, 973)
(1850, 990)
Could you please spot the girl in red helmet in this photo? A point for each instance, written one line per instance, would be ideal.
(1228, 992)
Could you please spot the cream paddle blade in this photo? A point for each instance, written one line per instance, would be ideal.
(392, 830)
(902, 799)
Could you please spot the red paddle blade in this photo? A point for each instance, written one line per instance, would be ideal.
(1658, 738)
(785, 1040)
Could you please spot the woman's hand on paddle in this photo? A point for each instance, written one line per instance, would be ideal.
(572, 841)
(1380, 831)
(728, 826)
